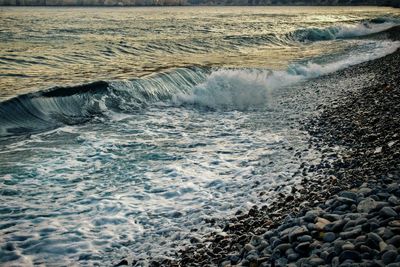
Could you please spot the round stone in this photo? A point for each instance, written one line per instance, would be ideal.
(329, 237)
(389, 256)
(395, 241)
(387, 212)
(348, 246)
(349, 255)
(366, 205)
(302, 248)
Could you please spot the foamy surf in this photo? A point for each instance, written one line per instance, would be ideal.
(248, 89)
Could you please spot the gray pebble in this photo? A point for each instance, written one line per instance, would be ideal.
(393, 200)
(302, 248)
(389, 256)
(304, 238)
(249, 247)
(348, 246)
(293, 256)
(348, 194)
(387, 212)
(346, 200)
(393, 187)
(329, 237)
(365, 191)
(311, 215)
(316, 261)
(297, 231)
(332, 217)
(366, 205)
(349, 255)
(375, 238)
(395, 241)
(335, 262)
(349, 234)
(283, 247)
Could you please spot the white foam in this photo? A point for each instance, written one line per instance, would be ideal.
(243, 89)
(347, 31)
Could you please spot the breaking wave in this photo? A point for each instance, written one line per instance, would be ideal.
(244, 89)
(59, 106)
(343, 31)
(216, 89)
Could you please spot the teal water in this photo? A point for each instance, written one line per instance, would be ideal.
(125, 131)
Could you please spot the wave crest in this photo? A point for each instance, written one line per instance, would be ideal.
(59, 106)
(343, 31)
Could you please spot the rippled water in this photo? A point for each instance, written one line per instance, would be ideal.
(44, 47)
(198, 116)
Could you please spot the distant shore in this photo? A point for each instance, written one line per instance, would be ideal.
(159, 3)
(348, 210)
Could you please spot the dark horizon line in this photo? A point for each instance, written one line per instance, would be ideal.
(211, 5)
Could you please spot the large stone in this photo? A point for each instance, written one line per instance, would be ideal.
(332, 217)
(364, 248)
(329, 237)
(335, 262)
(267, 235)
(349, 255)
(348, 246)
(350, 234)
(393, 187)
(393, 200)
(349, 224)
(226, 264)
(366, 205)
(335, 226)
(395, 223)
(387, 212)
(256, 240)
(311, 215)
(321, 223)
(365, 191)
(283, 247)
(234, 258)
(316, 261)
(382, 245)
(374, 238)
(338, 243)
(346, 200)
(395, 241)
(389, 256)
(303, 248)
(252, 256)
(328, 255)
(297, 231)
(293, 256)
(249, 247)
(304, 238)
(348, 194)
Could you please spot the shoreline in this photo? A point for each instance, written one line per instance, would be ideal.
(118, 5)
(363, 181)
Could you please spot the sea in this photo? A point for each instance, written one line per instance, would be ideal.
(132, 132)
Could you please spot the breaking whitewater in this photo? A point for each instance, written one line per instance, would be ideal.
(144, 167)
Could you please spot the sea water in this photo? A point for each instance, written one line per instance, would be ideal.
(125, 132)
